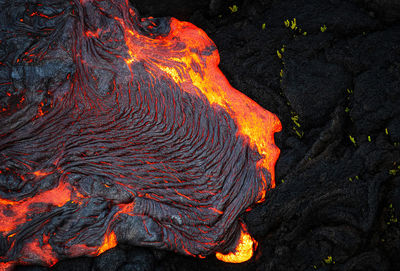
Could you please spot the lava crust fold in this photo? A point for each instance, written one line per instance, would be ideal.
(121, 129)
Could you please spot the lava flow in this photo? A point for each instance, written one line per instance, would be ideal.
(121, 129)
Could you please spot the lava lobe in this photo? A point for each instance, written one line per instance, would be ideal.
(116, 128)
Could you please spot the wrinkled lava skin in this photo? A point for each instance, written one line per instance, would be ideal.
(116, 128)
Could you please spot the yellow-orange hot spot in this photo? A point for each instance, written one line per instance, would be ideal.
(110, 241)
(243, 251)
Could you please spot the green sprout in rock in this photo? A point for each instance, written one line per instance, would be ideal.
(293, 24)
(280, 52)
(394, 171)
(323, 28)
(263, 26)
(295, 119)
(352, 139)
(300, 134)
(233, 8)
(329, 260)
(355, 178)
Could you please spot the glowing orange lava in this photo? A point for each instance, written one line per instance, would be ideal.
(110, 241)
(199, 75)
(243, 251)
(55, 197)
(144, 142)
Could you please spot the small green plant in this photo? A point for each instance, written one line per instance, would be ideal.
(263, 26)
(386, 131)
(355, 178)
(369, 138)
(293, 24)
(287, 23)
(323, 28)
(295, 119)
(280, 52)
(300, 134)
(352, 139)
(233, 8)
(394, 170)
(296, 127)
(329, 260)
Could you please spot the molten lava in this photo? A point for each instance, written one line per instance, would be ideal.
(243, 250)
(116, 128)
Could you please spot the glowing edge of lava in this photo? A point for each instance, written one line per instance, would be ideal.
(243, 251)
(253, 122)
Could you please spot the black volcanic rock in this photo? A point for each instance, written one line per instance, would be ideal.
(376, 100)
(313, 86)
(386, 10)
(174, 8)
(110, 260)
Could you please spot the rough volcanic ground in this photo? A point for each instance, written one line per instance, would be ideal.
(335, 85)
